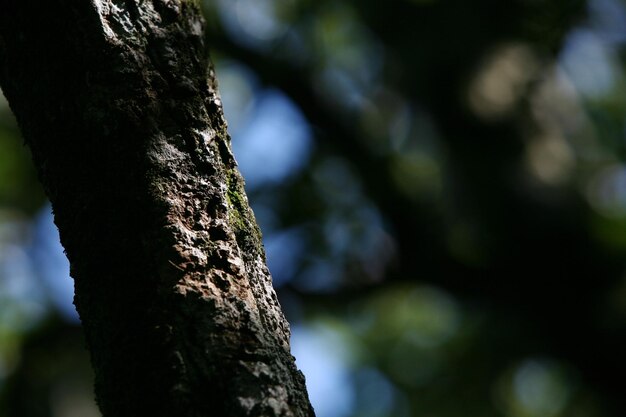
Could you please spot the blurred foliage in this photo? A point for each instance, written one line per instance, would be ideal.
(442, 189)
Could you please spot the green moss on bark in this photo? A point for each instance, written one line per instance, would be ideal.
(241, 217)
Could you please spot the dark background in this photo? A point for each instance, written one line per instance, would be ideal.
(442, 190)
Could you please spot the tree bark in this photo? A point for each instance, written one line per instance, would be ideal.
(118, 104)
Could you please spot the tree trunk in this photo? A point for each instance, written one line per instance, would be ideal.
(117, 102)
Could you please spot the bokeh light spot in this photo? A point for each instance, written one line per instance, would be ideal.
(540, 388)
(275, 144)
(322, 355)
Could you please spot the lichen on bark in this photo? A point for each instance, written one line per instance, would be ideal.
(118, 102)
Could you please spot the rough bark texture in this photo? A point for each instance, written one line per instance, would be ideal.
(118, 104)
